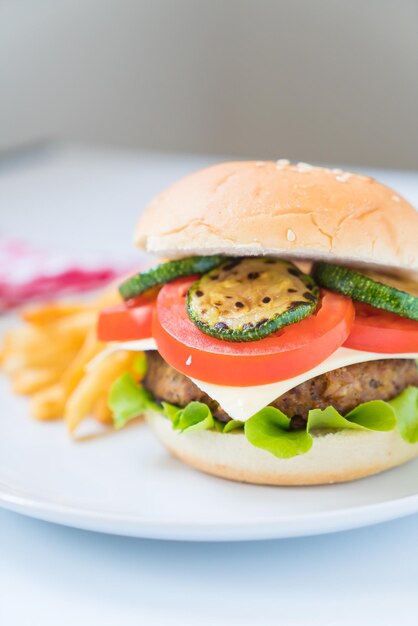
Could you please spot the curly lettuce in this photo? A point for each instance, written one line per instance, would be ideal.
(269, 429)
(128, 400)
(194, 417)
(405, 407)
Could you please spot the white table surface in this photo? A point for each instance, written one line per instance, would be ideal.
(56, 575)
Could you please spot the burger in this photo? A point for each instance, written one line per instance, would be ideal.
(280, 327)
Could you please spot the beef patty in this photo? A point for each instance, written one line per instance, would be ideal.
(343, 388)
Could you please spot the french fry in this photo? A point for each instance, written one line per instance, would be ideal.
(51, 403)
(101, 410)
(79, 323)
(46, 359)
(30, 381)
(31, 339)
(41, 347)
(24, 338)
(75, 372)
(53, 356)
(95, 384)
(48, 404)
(47, 313)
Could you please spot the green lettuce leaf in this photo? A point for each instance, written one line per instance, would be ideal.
(269, 429)
(373, 415)
(128, 400)
(406, 409)
(197, 416)
(231, 425)
(172, 412)
(328, 419)
(194, 417)
(140, 364)
(218, 426)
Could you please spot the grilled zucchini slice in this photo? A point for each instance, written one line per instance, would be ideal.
(166, 273)
(391, 293)
(246, 299)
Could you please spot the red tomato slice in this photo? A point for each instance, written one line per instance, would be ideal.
(126, 323)
(292, 350)
(148, 296)
(376, 330)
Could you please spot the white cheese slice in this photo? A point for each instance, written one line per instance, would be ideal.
(135, 346)
(243, 402)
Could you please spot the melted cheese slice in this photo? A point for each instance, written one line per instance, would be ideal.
(138, 345)
(242, 402)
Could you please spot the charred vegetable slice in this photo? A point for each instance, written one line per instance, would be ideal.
(249, 298)
(166, 273)
(391, 293)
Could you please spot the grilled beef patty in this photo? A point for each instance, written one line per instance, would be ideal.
(343, 388)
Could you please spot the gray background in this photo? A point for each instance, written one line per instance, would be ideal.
(311, 80)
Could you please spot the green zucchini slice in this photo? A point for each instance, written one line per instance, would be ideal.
(383, 291)
(166, 273)
(246, 299)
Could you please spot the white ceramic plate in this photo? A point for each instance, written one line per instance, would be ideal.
(125, 483)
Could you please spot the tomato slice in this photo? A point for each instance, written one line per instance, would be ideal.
(292, 350)
(376, 330)
(147, 296)
(126, 323)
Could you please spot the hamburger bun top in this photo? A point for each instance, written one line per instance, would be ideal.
(295, 211)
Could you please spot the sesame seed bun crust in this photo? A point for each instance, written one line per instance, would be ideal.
(294, 211)
(337, 457)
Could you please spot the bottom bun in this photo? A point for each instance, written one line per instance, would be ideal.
(334, 457)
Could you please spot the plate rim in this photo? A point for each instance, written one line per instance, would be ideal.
(301, 525)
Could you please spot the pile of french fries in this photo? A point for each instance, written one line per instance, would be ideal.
(46, 358)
